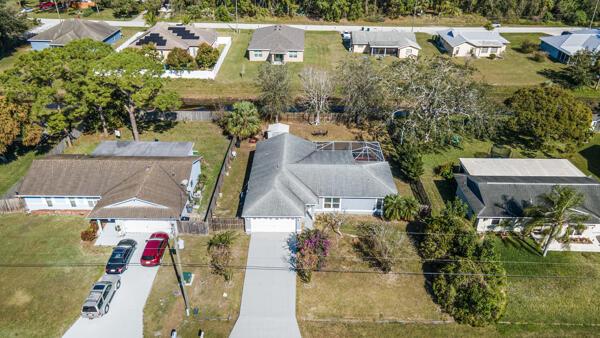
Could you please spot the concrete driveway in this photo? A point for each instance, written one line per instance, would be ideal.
(126, 314)
(269, 298)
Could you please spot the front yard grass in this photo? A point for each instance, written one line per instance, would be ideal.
(208, 138)
(16, 168)
(217, 312)
(361, 292)
(44, 301)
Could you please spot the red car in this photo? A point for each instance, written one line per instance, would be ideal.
(155, 248)
(46, 5)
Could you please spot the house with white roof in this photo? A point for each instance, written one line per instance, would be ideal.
(472, 43)
(497, 192)
(384, 43)
(564, 46)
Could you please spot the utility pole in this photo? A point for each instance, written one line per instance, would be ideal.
(594, 14)
(179, 277)
(57, 11)
(412, 28)
(237, 28)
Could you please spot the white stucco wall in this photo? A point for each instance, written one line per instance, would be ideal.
(147, 226)
(467, 50)
(350, 206)
(359, 48)
(264, 54)
(404, 52)
(60, 203)
(299, 58)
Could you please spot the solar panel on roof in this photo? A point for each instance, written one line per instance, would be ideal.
(154, 38)
(184, 33)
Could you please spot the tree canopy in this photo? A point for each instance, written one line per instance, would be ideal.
(244, 121)
(12, 26)
(274, 83)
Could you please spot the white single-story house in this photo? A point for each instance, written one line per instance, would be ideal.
(165, 37)
(564, 46)
(497, 192)
(122, 193)
(74, 29)
(277, 129)
(293, 179)
(384, 43)
(277, 44)
(472, 43)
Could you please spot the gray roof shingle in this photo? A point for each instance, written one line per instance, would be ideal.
(73, 29)
(477, 38)
(572, 42)
(277, 39)
(141, 148)
(391, 38)
(288, 172)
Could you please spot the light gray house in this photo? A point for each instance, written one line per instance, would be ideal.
(564, 46)
(122, 193)
(277, 44)
(384, 43)
(292, 179)
(74, 29)
(472, 43)
(144, 149)
(497, 191)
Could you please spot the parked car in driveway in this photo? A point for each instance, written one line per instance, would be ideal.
(155, 248)
(98, 301)
(120, 257)
(46, 5)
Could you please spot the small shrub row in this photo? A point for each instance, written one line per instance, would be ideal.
(180, 59)
(91, 233)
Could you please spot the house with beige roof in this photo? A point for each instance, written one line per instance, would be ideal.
(119, 190)
(165, 37)
(277, 44)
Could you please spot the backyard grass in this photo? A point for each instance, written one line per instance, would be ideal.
(360, 291)
(44, 301)
(237, 76)
(12, 171)
(126, 33)
(228, 204)
(10, 58)
(72, 13)
(208, 138)
(217, 301)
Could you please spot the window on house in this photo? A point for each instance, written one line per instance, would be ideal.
(331, 203)
(257, 54)
(494, 50)
(409, 51)
(379, 204)
(72, 202)
(91, 203)
(48, 201)
(495, 221)
(485, 50)
(293, 55)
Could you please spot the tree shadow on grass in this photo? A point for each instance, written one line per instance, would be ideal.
(592, 155)
(157, 126)
(446, 188)
(240, 207)
(415, 230)
(557, 76)
(520, 244)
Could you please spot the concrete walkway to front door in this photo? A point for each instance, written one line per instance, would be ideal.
(269, 298)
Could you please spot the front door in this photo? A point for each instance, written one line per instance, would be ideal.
(278, 58)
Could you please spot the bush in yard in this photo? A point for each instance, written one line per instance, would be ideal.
(206, 57)
(445, 170)
(90, 233)
(87, 12)
(539, 57)
(397, 207)
(180, 59)
(222, 14)
(584, 69)
(410, 161)
(528, 47)
(380, 244)
(331, 221)
(125, 8)
(312, 249)
(219, 249)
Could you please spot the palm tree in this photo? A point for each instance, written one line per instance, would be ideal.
(557, 210)
(243, 121)
(397, 207)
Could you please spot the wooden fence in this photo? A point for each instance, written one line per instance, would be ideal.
(201, 227)
(11, 205)
(219, 224)
(219, 184)
(193, 227)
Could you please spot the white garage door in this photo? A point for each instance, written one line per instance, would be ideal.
(146, 226)
(272, 225)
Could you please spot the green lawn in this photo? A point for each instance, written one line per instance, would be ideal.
(71, 13)
(218, 301)
(44, 301)
(12, 171)
(208, 139)
(237, 76)
(228, 204)
(8, 60)
(126, 33)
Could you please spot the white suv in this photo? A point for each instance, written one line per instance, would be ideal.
(97, 303)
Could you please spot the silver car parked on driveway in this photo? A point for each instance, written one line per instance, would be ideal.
(98, 301)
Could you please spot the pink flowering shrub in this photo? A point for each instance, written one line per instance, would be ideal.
(312, 250)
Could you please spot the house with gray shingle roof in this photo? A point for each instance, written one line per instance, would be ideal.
(165, 36)
(498, 191)
(74, 29)
(472, 43)
(277, 44)
(121, 191)
(564, 46)
(384, 43)
(293, 179)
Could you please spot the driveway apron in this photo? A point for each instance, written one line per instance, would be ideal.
(269, 298)
(126, 314)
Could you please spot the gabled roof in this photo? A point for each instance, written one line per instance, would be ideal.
(507, 197)
(391, 38)
(73, 29)
(572, 42)
(158, 180)
(277, 39)
(289, 172)
(477, 38)
(141, 148)
(166, 36)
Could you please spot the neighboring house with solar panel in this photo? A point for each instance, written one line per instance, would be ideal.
(74, 29)
(277, 44)
(564, 46)
(384, 43)
(293, 179)
(472, 43)
(497, 192)
(165, 37)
